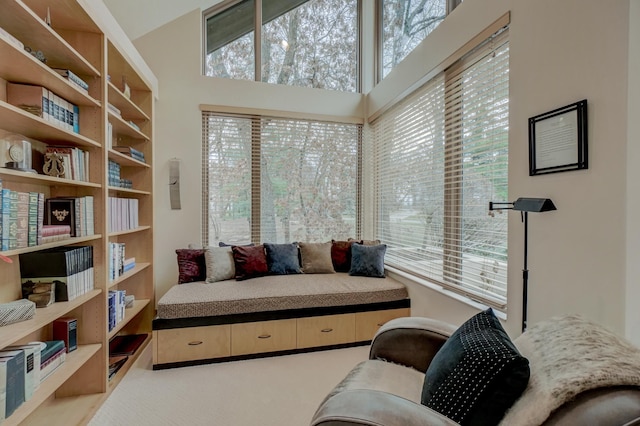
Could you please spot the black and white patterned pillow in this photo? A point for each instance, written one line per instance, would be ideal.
(477, 375)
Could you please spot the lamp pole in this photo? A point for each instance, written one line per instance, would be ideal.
(525, 271)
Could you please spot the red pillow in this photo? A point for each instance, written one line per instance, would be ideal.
(341, 255)
(191, 265)
(250, 262)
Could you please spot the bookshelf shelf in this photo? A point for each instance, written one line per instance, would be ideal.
(125, 105)
(125, 160)
(25, 25)
(129, 231)
(8, 175)
(15, 120)
(138, 306)
(73, 361)
(20, 62)
(14, 332)
(66, 242)
(122, 128)
(128, 191)
(137, 269)
(79, 40)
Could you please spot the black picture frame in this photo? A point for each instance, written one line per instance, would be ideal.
(558, 140)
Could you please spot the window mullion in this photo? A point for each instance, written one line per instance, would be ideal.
(257, 42)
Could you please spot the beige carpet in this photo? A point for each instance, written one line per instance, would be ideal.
(278, 391)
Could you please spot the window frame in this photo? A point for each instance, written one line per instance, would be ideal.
(257, 39)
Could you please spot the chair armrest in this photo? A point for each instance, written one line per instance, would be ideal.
(410, 341)
(375, 408)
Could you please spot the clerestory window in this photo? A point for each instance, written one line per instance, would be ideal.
(308, 43)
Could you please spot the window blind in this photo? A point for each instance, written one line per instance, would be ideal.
(440, 156)
(280, 180)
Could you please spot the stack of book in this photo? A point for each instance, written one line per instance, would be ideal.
(75, 161)
(73, 78)
(123, 214)
(131, 152)
(52, 233)
(114, 176)
(21, 218)
(116, 307)
(76, 212)
(51, 357)
(69, 267)
(44, 103)
(118, 263)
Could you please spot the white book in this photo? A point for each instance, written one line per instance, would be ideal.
(32, 367)
(3, 390)
(51, 364)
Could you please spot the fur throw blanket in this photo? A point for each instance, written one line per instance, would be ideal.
(568, 355)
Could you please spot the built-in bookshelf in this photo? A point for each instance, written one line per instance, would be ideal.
(114, 113)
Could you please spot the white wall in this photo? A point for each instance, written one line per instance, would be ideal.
(559, 54)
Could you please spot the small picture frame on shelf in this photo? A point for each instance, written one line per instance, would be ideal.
(558, 140)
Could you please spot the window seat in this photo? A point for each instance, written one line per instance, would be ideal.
(200, 323)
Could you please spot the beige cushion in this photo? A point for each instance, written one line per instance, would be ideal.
(219, 263)
(316, 258)
(276, 292)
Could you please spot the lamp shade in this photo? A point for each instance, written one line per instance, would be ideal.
(533, 205)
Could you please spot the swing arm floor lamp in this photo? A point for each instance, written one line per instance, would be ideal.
(524, 206)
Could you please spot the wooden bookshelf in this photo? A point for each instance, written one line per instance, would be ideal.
(82, 43)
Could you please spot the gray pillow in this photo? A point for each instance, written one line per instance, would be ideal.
(219, 263)
(367, 261)
(282, 259)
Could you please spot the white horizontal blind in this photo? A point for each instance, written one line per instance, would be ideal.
(280, 180)
(440, 156)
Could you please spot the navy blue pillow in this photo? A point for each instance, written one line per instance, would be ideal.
(367, 261)
(477, 375)
(282, 258)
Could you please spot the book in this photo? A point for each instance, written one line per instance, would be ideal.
(13, 364)
(51, 230)
(61, 211)
(13, 220)
(32, 220)
(32, 367)
(126, 344)
(115, 363)
(49, 366)
(51, 347)
(73, 78)
(22, 220)
(6, 217)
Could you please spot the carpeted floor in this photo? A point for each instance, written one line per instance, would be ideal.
(278, 391)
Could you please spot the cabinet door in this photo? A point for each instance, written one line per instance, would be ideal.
(326, 330)
(264, 336)
(192, 343)
(368, 323)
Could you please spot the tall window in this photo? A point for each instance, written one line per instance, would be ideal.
(440, 157)
(309, 43)
(403, 24)
(279, 180)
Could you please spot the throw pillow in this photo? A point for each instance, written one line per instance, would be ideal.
(282, 259)
(249, 262)
(341, 255)
(367, 260)
(220, 265)
(316, 258)
(191, 265)
(478, 373)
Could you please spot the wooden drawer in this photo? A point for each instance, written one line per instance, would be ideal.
(326, 330)
(368, 323)
(192, 343)
(264, 336)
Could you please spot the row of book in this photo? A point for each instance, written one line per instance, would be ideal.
(23, 368)
(74, 160)
(131, 152)
(73, 78)
(114, 176)
(69, 267)
(116, 307)
(123, 214)
(76, 212)
(40, 101)
(118, 263)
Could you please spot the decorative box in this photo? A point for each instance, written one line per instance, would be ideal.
(19, 310)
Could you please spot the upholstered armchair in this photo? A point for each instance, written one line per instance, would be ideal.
(563, 371)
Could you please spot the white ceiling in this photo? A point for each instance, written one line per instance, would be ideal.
(138, 17)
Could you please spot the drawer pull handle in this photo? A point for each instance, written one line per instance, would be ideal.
(326, 330)
(195, 343)
(264, 336)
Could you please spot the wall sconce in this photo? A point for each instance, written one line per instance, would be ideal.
(524, 206)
